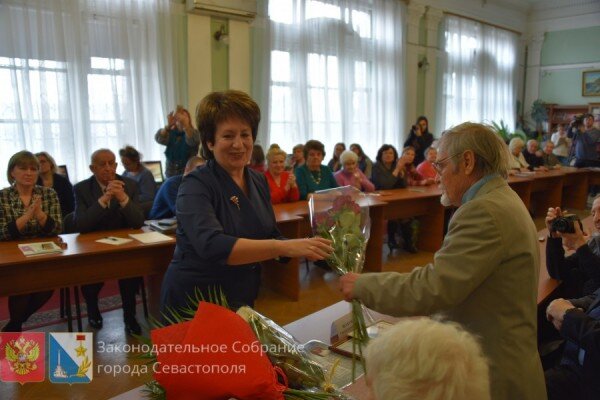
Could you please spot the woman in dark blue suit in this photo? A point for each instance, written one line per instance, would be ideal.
(226, 225)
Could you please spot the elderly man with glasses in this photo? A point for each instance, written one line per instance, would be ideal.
(485, 276)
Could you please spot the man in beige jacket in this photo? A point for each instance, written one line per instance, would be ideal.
(485, 276)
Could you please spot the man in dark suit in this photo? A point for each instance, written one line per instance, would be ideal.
(578, 321)
(108, 201)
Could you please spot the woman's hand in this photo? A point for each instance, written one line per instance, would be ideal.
(170, 121)
(36, 206)
(313, 249)
(183, 120)
(291, 182)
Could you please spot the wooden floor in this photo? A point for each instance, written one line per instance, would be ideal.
(319, 290)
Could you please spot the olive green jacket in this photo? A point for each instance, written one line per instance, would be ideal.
(484, 277)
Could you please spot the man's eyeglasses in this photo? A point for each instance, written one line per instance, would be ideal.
(439, 165)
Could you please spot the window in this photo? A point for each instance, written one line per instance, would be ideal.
(107, 99)
(80, 75)
(327, 65)
(478, 80)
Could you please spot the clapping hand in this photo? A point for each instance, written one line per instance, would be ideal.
(291, 182)
(182, 120)
(171, 120)
(35, 207)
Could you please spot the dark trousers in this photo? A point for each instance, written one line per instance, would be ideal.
(563, 383)
(128, 288)
(23, 306)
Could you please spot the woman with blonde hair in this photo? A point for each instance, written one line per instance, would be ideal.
(49, 178)
(282, 184)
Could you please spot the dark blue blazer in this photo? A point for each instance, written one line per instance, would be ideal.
(212, 213)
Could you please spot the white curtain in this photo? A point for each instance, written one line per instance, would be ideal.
(334, 72)
(78, 75)
(479, 73)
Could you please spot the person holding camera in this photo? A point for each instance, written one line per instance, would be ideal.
(419, 138)
(181, 138)
(580, 272)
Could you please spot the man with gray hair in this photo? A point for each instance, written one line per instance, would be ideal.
(485, 276)
(454, 367)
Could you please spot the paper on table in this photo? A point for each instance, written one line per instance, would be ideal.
(115, 241)
(150, 237)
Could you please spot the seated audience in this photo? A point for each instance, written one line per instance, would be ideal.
(388, 169)
(533, 156)
(389, 172)
(257, 161)
(181, 138)
(61, 185)
(334, 164)
(425, 169)
(313, 176)
(166, 197)
(426, 360)
(562, 144)
(296, 159)
(108, 201)
(517, 161)
(364, 163)
(135, 170)
(576, 376)
(282, 184)
(413, 178)
(419, 138)
(351, 175)
(27, 211)
(550, 159)
(580, 272)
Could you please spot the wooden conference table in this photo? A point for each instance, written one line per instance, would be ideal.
(85, 261)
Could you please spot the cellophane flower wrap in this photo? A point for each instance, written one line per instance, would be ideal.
(342, 216)
(305, 377)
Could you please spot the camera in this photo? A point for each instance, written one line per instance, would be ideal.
(565, 224)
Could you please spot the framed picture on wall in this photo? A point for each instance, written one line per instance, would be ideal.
(590, 83)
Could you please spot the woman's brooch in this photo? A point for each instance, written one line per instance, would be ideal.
(235, 200)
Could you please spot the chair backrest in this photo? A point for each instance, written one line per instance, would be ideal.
(62, 170)
(69, 223)
(156, 168)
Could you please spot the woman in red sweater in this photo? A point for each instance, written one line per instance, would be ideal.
(281, 183)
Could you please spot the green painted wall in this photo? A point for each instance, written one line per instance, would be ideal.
(564, 87)
(571, 46)
(575, 46)
(220, 57)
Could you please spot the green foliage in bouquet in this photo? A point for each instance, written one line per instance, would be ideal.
(342, 225)
(347, 225)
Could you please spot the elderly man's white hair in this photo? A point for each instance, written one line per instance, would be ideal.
(348, 155)
(491, 153)
(427, 360)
